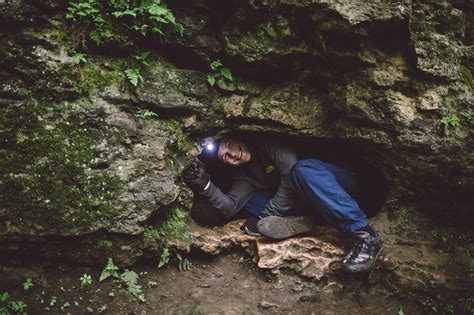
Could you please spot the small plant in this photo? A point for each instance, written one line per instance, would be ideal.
(151, 232)
(144, 113)
(466, 76)
(103, 308)
(218, 70)
(86, 280)
(80, 10)
(53, 301)
(4, 297)
(141, 58)
(77, 58)
(65, 306)
(400, 312)
(18, 306)
(133, 76)
(467, 116)
(110, 270)
(175, 224)
(469, 305)
(27, 284)
(121, 20)
(130, 280)
(164, 258)
(183, 263)
(450, 309)
(152, 284)
(451, 120)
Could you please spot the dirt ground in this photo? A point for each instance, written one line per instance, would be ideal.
(224, 284)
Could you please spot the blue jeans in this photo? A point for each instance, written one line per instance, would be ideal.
(329, 190)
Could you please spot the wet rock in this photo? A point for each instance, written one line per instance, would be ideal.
(81, 173)
(294, 106)
(311, 257)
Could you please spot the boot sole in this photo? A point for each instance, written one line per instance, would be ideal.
(279, 228)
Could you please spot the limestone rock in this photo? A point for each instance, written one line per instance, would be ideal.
(310, 256)
(295, 106)
(170, 88)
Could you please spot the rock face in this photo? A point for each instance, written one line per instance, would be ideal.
(414, 260)
(87, 155)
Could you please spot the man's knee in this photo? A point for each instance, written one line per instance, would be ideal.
(302, 171)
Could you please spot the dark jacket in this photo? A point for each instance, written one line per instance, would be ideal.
(267, 171)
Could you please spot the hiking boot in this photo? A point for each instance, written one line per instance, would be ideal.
(250, 226)
(363, 254)
(284, 227)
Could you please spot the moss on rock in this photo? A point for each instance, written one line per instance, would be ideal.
(47, 182)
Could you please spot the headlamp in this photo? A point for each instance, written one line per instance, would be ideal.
(210, 146)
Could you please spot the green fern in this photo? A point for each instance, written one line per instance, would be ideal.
(164, 258)
(183, 263)
(133, 76)
(130, 280)
(77, 58)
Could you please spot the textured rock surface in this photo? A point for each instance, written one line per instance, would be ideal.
(414, 259)
(391, 82)
(310, 256)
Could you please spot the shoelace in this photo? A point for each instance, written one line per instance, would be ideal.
(359, 246)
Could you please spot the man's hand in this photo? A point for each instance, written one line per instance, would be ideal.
(196, 176)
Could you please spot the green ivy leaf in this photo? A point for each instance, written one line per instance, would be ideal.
(211, 79)
(225, 72)
(215, 65)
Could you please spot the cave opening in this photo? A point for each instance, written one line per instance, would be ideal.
(344, 153)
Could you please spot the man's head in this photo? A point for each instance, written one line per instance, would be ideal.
(233, 152)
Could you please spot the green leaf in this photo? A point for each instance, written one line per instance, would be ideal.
(158, 30)
(27, 284)
(77, 58)
(141, 57)
(133, 75)
(144, 113)
(130, 279)
(211, 79)
(18, 306)
(4, 296)
(110, 270)
(183, 263)
(215, 65)
(86, 280)
(225, 72)
(164, 258)
(156, 9)
(451, 120)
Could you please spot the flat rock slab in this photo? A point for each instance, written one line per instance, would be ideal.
(312, 255)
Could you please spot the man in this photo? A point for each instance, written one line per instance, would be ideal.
(268, 182)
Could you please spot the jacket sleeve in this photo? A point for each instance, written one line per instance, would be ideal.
(234, 200)
(284, 198)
